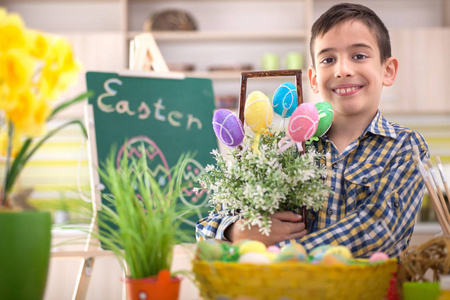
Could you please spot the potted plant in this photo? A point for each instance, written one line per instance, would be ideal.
(34, 69)
(140, 220)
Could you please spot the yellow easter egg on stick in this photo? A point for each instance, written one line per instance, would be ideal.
(258, 112)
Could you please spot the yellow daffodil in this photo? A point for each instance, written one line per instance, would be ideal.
(21, 114)
(38, 44)
(16, 68)
(60, 69)
(12, 31)
(34, 69)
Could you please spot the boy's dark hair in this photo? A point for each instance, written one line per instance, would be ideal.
(343, 12)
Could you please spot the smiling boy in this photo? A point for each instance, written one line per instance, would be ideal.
(376, 189)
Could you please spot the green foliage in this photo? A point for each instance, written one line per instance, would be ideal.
(258, 184)
(140, 220)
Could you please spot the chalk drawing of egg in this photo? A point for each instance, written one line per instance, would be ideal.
(189, 196)
(156, 160)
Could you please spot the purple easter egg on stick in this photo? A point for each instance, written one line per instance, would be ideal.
(228, 127)
(303, 122)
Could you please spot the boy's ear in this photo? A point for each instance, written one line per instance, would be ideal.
(390, 71)
(313, 80)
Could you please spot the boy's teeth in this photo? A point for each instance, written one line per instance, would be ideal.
(345, 90)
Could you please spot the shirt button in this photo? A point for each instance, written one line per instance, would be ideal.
(329, 211)
(365, 180)
(335, 166)
(397, 204)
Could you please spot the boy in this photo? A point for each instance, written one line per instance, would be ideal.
(376, 189)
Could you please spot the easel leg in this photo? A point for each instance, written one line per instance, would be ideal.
(84, 277)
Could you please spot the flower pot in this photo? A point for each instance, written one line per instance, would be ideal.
(421, 290)
(24, 254)
(161, 287)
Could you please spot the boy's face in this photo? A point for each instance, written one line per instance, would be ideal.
(348, 72)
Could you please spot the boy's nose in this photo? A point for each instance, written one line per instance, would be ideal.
(343, 69)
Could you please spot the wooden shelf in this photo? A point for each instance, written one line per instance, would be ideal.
(209, 36)
(220, 75)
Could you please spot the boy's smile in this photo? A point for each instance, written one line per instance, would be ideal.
(348, 70)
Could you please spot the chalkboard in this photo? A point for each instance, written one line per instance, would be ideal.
(170, 116)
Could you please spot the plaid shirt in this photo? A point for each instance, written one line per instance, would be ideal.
(376, 194)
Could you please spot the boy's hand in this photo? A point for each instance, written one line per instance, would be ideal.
(286, 225)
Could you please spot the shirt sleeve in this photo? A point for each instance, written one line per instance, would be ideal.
(384, 219)
(214, 226)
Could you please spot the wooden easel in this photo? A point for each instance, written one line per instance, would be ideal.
(144, 56)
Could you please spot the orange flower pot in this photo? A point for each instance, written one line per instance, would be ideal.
(160, 287)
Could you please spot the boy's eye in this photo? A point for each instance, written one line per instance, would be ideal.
(327, 60)
(359, 56)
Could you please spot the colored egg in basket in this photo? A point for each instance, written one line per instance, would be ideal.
(292, 252)
(378, 257)
(251, 246)
(254, 258)
(209, 250)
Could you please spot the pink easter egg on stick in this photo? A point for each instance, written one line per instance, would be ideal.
(228, 128)
(303, 122)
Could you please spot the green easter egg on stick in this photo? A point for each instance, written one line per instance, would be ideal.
(325, 117)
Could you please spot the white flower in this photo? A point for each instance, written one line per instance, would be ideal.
(209, 168)
(261, 184)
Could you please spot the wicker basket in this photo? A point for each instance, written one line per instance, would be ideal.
(221, 280)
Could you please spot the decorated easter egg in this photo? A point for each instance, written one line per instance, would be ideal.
(378, 257)
(318, 252)
(273, 249)
(229, 253)
(291, 252)
(303, 122)
(228, 127)
(258, 112)
(252, 246)
(254, 258)
(325, 117)
(209, 250)
(270, 255)
(339, 250)
(334, 259)
(285, 99)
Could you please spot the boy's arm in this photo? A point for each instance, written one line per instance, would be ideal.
(214, 226)
(384, 221)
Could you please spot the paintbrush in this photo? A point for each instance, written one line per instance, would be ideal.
(441, 171)
(432, 192)
(438, 188)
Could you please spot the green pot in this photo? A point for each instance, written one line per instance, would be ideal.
(421, 290)
(24, 254)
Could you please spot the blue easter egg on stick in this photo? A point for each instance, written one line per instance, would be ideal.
(228, 128)
(285, 99)
(325, 111)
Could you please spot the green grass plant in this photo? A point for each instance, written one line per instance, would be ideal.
(139, 219)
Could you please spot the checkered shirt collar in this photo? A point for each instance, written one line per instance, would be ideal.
(380, 126)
